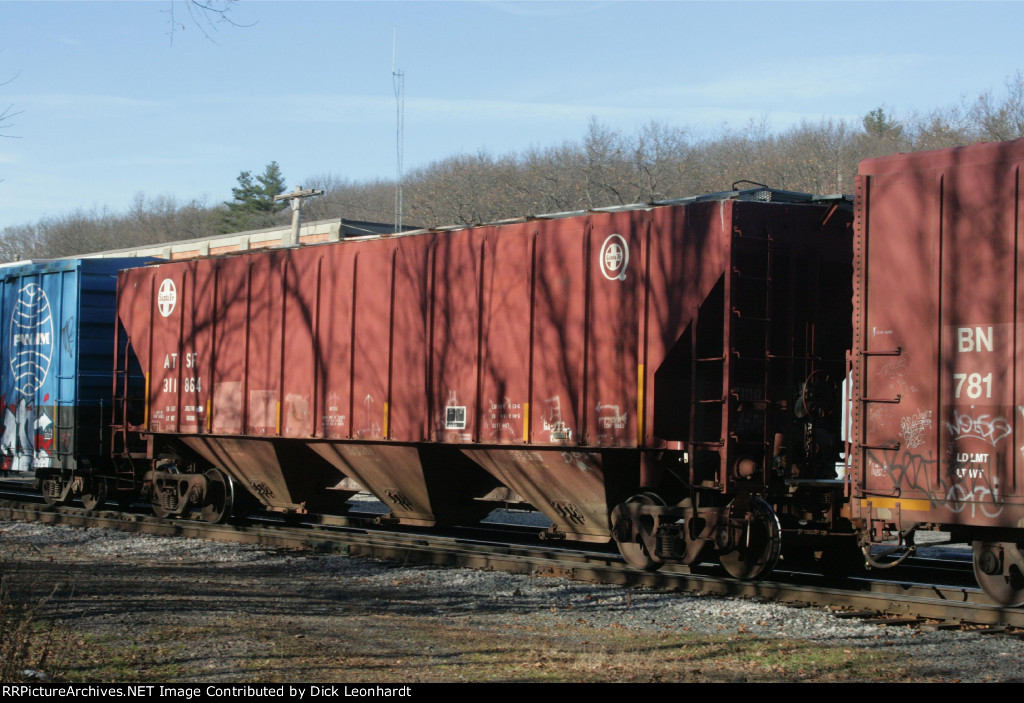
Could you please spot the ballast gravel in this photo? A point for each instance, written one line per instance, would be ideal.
(119, 584)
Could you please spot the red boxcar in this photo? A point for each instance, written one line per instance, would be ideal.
(938, 337)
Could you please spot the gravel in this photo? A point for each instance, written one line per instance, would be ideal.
(181, 566)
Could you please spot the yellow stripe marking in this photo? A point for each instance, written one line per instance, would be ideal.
(387, 417)
(526, 422)
(145, 419)
(640, 404)
(902, 503)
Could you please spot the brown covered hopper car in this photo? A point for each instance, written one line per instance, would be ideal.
(665, 376)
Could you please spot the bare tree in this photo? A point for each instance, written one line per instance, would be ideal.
(941, 128)
(1000, 120)
(6, 114)
(205, 15)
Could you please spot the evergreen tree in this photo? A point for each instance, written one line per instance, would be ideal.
(883, 134)
(880, 124)
(254, 206)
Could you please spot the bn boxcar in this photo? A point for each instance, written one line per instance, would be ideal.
(938, 337)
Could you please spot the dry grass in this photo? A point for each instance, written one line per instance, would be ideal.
(32, 644)
(364, 647)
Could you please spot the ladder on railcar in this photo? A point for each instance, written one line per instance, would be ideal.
(731, 374)
(121, 448)
(751, 382)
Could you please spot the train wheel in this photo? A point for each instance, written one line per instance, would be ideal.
(220, 497)
(997, 567)
(756, 546)
(94, 493)
(634, 532)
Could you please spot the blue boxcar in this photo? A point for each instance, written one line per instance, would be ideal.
(57, 323)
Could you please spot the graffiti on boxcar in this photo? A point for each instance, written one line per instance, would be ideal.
(969, 483)
(553, 421)
(26, 437)
(371, 428)
(67, 336)
(914, 427)
(578, 460)
(876, 418)
(980, 499)
(973, 488)
(897, 370)
(910, 471)
(16, 442)
(985, 427)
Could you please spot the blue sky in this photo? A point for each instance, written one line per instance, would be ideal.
(112, 103)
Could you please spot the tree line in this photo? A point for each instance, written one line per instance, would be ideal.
(605, 167)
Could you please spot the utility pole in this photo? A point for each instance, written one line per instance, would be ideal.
(398, 81)
(295, 198)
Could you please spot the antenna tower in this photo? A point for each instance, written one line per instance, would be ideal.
(398, 81)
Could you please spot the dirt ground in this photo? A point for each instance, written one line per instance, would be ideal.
(151, 610)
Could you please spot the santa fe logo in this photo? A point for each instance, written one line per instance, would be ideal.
(614, 257)
(166, 297)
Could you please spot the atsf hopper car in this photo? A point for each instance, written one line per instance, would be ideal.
(665, 376)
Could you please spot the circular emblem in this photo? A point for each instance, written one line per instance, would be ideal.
(614, 257)
(167, 297)
(31, 339)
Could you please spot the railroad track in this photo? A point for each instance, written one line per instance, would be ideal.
(880, 597)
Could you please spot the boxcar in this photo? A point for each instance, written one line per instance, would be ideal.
(938, 338)
(58, 320)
